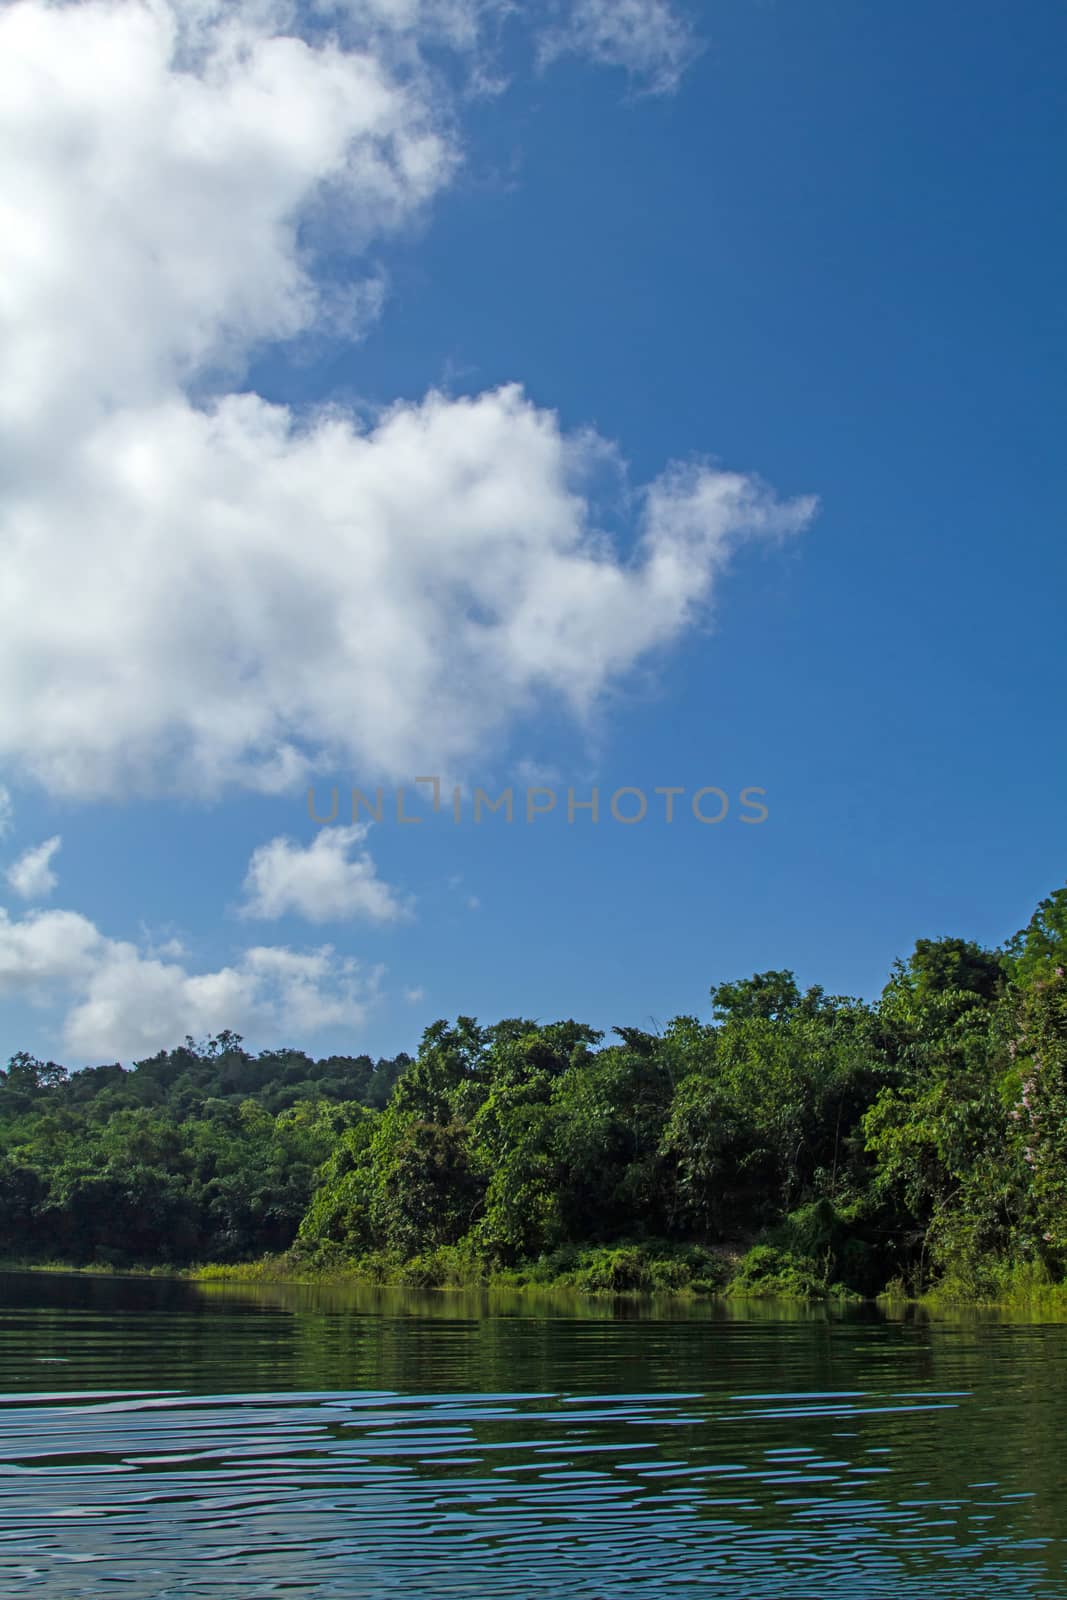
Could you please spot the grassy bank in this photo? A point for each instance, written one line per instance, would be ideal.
(761, 1272)
(91, 1269)
(1003, 1285)
(681, 1272)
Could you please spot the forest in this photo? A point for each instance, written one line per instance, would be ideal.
(796, 1142)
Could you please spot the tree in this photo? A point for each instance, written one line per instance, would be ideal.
(767, 995)
(1039, 948)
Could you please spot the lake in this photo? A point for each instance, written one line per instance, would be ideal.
(170, 1439)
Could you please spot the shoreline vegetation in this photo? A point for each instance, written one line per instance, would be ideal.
(602, 1276)
(798, 1146)
(635, 1273)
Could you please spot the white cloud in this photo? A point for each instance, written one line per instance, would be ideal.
(650, 39)
(7, 811)
(415, 995)
(458, 23)
(214, 591)
(31, 876)
(534, 774)
(47, 947)
(321, 882)
(386, 600)
(163, 942)
(124, 1003)
(151, 214)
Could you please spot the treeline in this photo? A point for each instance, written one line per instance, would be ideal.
(797, 1141)
(204, 1152)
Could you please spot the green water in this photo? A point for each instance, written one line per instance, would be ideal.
(166, 1439)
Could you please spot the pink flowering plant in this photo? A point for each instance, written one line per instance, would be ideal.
(1039, 1115)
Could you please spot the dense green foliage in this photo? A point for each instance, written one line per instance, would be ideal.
(196, 1153)
(797, 1142)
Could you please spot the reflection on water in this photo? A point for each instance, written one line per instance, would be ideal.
(162, 1439)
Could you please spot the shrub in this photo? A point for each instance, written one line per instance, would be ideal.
(768, 1270)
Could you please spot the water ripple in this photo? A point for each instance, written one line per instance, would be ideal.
(602, 1459)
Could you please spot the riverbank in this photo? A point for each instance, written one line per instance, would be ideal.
(688, 1272)
(685, 1274)
(1019, 1289)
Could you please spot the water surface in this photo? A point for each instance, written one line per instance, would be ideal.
(167, 1439)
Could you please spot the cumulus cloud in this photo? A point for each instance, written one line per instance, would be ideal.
(205, 589)
(123, 1002)
(384, 600)
(31, 876)
(650, 39)
(458, 23)
(160, 160)
(322, 882)
(7, 811)
(45, 948)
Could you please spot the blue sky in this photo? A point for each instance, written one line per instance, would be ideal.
(804, 253)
